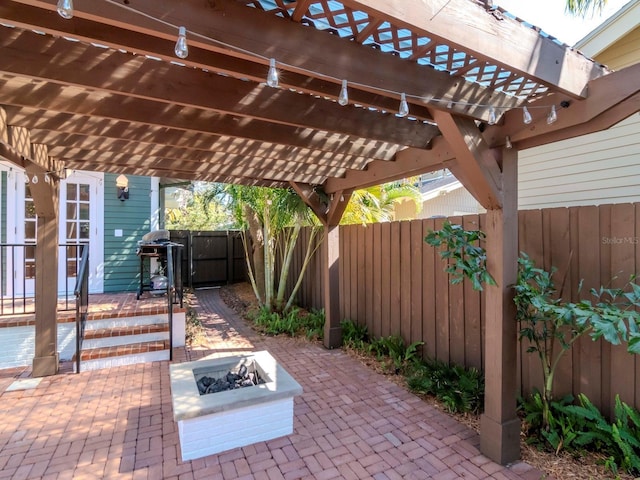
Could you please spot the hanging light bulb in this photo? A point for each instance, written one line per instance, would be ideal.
(26, 178)
(526, 116)
(553, 116)
(450, 104)
(272, 76)
(47, 178)
(182, 50)
(65, 9)
(343, 99)
(507, 143)
(493, 118)
(34, 180)
(403, 111)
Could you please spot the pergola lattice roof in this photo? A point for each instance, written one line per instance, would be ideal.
(104, 91)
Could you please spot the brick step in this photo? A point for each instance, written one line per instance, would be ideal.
(121, 331)
(122, 350)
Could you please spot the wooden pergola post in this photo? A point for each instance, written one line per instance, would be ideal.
(16, 147)
(491, 175)
(45, 361)
(499, 425)
(331, 286)
(45, 200)
(329, 211)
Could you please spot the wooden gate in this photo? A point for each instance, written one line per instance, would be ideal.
(211, 258)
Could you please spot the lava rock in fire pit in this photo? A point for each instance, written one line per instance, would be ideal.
(229, 381)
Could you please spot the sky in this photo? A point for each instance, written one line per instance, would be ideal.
(550, 16)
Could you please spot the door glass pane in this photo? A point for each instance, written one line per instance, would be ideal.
(84, 230)
(29, 209)
(72, 211)
(84, 211)
(84, 192)
(29, 230)
(72, 191)
(71, 231)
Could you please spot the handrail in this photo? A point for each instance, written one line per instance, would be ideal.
(170, 293)
(81, 293)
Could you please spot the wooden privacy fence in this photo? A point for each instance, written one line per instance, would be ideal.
(393, 282)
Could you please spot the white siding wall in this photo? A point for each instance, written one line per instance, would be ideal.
(599, 168)
(456, 202)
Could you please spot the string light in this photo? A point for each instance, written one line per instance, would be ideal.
(403, 111)
(507, 143)
(272, 76)
(493, 118)
(47, 178)
(34, 180)
(343, 98)
(553, 116)
(182, 50)
(65, 9)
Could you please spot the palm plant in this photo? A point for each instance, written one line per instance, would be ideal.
(583, 7)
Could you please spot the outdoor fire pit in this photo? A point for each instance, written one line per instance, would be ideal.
(256, 407)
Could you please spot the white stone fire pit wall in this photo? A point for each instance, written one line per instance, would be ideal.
(216, 422)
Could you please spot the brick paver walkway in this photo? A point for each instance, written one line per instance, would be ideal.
(350, 422)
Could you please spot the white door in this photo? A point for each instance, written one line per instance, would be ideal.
(81, 220)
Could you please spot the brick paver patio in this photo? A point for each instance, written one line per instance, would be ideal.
(350, 423)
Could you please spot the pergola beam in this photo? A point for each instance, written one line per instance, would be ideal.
(616, 90)
(301, 50)
(408, 162)
(476, 166)
(487, 34)
(68, 63)
(44, 122)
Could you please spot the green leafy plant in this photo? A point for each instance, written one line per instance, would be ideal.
(459, 389)
(551, 326)
(466, 258)
(353, 335)
(581, 427)
(292, 323)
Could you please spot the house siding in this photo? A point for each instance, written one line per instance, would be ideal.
(623, 53)
(122, 265)
(449, 204)
(594, 169)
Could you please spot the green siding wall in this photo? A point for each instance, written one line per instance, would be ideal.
(121, 264)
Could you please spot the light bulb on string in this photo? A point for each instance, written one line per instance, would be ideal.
(65, 9)
(26, 178)
(272, 76)
(47, 178)
(507, 143)
(343, 99)
(403, 111)
(182, 50)
(450, 104)
(493, 118)
(34, 180)
(526, 116)
(553, 116)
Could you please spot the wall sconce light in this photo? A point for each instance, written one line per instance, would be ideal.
(122, 183)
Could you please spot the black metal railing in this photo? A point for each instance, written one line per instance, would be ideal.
(81, 293)
(171, 291)
(18, 275)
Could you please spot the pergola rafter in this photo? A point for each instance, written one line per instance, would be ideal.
(104, 91)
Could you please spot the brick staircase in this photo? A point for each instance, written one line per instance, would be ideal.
(112, 342)
(120, 330)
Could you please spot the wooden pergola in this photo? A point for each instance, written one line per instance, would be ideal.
(104, 91)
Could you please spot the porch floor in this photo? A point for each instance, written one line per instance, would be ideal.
(102, 305)
(350, 422)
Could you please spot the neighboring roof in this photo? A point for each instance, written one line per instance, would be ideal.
(611, 30)
(440, 186)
